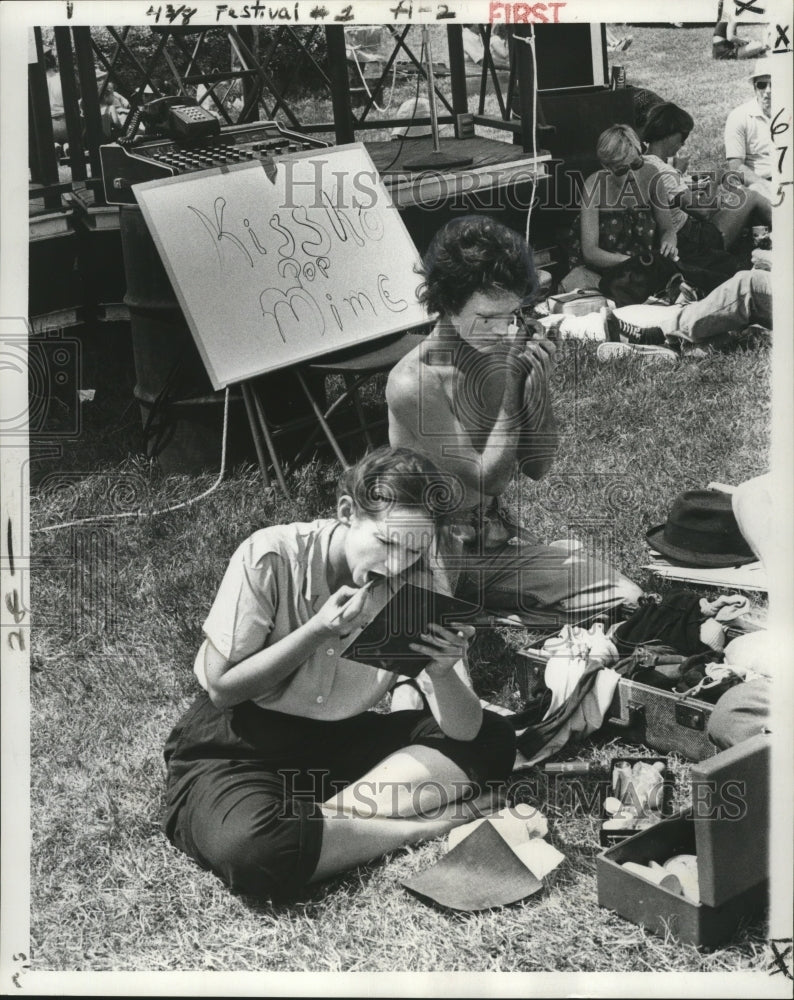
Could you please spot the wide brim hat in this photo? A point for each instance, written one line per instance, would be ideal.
(761, 67)
(701, 530)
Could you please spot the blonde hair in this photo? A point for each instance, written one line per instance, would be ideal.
(618, 143)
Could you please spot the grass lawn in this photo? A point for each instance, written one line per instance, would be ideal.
(116, 631)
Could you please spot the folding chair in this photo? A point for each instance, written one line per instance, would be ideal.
(356, 366)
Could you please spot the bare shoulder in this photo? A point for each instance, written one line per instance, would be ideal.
(410, 377)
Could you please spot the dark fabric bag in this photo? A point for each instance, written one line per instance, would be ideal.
(634, 280)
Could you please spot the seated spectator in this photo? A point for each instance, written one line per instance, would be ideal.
(113, 109)
(726, 44)
(748, 141)
(644, 101)
(716, 218)
(616, 41)
(619, 216)
(474, 47)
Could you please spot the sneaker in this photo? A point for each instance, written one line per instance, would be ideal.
(591, 326)
(647, 352)
(686, 294)
(618, 330)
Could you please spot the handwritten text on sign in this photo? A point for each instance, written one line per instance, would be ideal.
(273, 272)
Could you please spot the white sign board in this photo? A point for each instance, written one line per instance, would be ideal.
(272, 272)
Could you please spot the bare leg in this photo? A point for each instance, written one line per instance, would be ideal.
(752, 50)
(413, 795)
(731, 221)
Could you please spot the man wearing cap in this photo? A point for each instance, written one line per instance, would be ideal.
(748, 140)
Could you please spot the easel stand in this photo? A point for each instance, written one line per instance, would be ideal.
(263, 435)
(355, 366)
(261, 432)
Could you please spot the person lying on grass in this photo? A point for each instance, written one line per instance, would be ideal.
(475, 396)
(280, 773)
(738, 303)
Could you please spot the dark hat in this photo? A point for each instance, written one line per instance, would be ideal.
(701, 530)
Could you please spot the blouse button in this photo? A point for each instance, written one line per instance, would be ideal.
(320, 699)
(330, 652)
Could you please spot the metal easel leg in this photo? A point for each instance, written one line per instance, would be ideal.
(254, 425)
(322, 421)
(351, 385)
(263, 427)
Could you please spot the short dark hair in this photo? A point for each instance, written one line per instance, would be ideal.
(399, 477)
(666, 119)
(474, 254)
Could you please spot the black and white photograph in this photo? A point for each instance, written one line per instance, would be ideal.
(444, 348)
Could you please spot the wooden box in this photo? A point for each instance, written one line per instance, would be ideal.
(727, 828)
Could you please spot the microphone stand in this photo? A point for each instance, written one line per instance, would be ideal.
(436, 159)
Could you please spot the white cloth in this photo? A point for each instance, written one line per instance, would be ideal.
(672, 183)
(574, 651)
(275, 582)
(752, 507)
(588, 717)
(747, 138)
(753, 652)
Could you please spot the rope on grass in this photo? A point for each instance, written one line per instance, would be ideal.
(164, 510)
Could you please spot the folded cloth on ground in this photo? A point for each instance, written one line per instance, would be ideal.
(580, 685)
(582, 713)
(651, 656)
(726, 607)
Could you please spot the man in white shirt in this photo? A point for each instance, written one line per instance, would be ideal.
(748, 140)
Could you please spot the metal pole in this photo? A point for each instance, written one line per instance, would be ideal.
(457, 69)
(71, 108)
(524, 71)
(340, 86)
(93, 127)
(431, 89)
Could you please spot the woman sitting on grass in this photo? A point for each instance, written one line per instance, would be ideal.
(619, 218)
(718, 224)
(280, 774)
